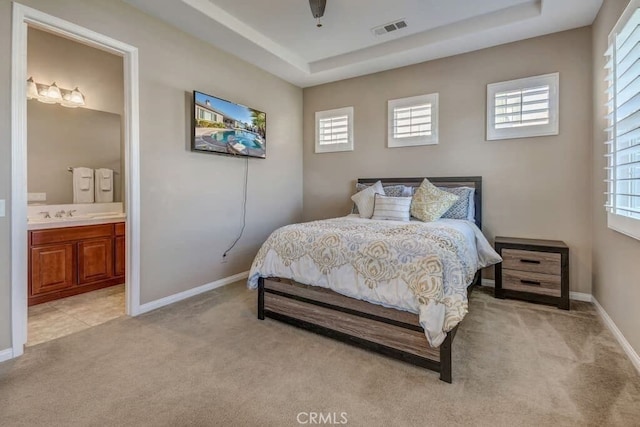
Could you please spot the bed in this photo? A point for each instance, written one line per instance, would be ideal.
(371, 309)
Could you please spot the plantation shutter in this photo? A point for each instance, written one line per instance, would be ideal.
(412, 121)
(522, 107)
(623, 114)
(334, 130)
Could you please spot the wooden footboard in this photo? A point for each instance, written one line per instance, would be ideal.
(395, 333)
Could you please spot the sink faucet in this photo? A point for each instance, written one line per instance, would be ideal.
(70, 212)
(46, 214)
(60, 214)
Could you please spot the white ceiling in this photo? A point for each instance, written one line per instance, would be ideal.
(281, 37)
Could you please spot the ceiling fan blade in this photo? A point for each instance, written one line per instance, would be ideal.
(317, 7)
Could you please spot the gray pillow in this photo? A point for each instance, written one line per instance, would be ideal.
(462, 208)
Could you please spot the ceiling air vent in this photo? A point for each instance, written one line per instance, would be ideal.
(387, 28)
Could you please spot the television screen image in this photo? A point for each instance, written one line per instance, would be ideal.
(224, 127)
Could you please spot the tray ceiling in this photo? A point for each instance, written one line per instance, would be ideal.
(281, 37)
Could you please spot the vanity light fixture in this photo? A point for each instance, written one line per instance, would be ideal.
(54, 95)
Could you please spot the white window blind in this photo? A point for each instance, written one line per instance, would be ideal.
(413, 121)
(623, 131)
(523, 108)
(334, 130)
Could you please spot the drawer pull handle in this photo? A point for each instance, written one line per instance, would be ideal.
(530, 282)
(530, 261)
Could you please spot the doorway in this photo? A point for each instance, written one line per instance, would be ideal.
(24, 18)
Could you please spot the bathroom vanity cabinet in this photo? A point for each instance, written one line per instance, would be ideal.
(71, 260)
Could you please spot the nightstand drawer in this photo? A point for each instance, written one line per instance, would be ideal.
(527, 281)
(537, 262)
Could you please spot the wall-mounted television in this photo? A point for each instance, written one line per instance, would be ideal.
(223, 127)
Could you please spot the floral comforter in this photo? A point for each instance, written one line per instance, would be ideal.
(423, 268)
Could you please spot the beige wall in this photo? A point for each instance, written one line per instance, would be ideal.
(616, 270)
(98, 74)
(61, 137)
(191, 202)
(532, 187)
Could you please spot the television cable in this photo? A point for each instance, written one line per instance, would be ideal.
(244, 208)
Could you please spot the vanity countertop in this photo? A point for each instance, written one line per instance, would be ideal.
(44, 224)
(73, 215)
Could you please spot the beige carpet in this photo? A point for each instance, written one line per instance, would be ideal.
(209, 361)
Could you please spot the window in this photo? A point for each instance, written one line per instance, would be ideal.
(334, 130)
(206, 115)
(523, 108)
(623, 131)
(413, 121)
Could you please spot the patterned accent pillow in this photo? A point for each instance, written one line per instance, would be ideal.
(391, 208)
(460, 209)
(389, 190)
(472, 207)
(429, 202)
(365, 199)
(455, 212)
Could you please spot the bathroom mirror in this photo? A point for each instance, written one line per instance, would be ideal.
(60, 138)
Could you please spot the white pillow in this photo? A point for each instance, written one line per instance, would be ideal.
(392, 208)
(365, 199)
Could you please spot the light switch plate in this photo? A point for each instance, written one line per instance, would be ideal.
(2, 209)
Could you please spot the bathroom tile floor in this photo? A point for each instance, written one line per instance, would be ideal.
(63, 317)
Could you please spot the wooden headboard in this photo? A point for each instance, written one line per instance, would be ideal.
(454, 181)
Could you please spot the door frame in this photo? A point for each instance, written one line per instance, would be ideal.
(23, 17)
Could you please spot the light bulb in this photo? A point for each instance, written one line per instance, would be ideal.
(43, 94)
(54, 92)
(77, 97)
(32, 89)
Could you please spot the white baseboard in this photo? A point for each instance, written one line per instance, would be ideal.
(6, 354)
(144, 308)
(581, 296)
(631, 353)
(577, 296)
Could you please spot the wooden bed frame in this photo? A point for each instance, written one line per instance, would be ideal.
(394, 333)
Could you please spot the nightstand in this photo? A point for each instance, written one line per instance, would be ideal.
(533, 270)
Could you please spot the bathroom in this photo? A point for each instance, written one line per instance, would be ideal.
(75, 184)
